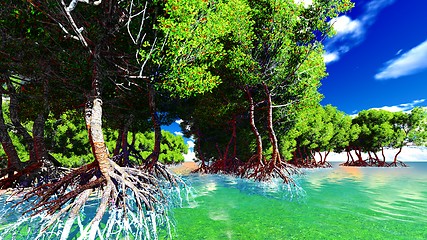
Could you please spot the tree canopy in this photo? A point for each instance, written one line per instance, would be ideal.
(89, 84)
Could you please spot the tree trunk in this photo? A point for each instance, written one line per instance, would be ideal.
(40, 149)
(154, 156)
(326, 156)
(349, 149)
(275, 157)
(382, 153)
(380, 163)
(321, 157)
(253, 126)
(203, 165)
(14, 117)
(359, 154)
(93, 118)
(301, 156)
(38, 138)
(370, 157)
(122, 144)
(119, 139)
(232, 140)
(97, 139)
(397, 154)
(348, 157)
(13, 161)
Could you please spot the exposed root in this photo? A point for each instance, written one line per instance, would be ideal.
(272, 170)
(132, 198)
(20, 178)
(397, 163)
(373, 163)
(33, 174)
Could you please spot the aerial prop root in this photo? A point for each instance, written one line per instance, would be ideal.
(273, 169)
(57, 199)
(143, 186)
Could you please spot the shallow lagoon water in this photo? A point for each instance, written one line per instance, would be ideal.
(338, 203)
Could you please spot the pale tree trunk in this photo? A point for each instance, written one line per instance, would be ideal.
(97, 139)
(93, 118)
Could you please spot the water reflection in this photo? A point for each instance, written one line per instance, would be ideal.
(386, 193)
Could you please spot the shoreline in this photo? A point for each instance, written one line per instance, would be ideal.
(184, 168)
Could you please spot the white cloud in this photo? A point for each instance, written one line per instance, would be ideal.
(190, 144)
(179, 121)
(402, 107)
(411, 62)
(178, 133)
(351, 32)
(344, 25)
(373, 8)
(331, 57)
(393, 108)
(191, 155)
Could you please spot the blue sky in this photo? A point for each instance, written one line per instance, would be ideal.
(378, 59)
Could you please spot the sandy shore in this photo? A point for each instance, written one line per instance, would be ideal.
(184, 168)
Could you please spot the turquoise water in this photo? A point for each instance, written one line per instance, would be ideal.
(338, 203)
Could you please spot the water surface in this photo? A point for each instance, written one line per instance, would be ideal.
(338, 203)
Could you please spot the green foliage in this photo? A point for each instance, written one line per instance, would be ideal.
(172, 147)
(68, 140)
(197, 33)
(414, 124)
(376, 129)
(380, 128)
